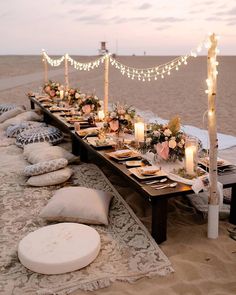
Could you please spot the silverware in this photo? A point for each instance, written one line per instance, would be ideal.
(156, 181)
(173, 184)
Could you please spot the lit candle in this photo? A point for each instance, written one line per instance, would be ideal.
(61, 94)
(101, 115)
(189, 160)
(139, 131)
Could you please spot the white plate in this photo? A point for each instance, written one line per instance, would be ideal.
(116, 154)
(220, 162)
(94, 142)
(137, 173)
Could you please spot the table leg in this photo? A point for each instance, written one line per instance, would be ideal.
(159, 219)
(232, 215)
(32, 105)
(75, 146)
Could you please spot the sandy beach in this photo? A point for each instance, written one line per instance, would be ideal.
(202, 266)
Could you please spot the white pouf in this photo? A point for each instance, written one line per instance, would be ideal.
(59, 248)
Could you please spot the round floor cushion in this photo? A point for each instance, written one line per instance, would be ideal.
(50, 134)
(6, 107)
(59, 248)
(16, 129)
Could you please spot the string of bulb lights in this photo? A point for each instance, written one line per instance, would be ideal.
(141, 74)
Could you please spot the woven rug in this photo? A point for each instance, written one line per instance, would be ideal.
(128, 251)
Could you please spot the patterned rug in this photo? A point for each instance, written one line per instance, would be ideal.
(128, 251)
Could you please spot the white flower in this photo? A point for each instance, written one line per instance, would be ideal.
(113, 115)
(180, 145)
(182, 141)
(82, 95)
(148, 140)
(172, 144)
(66, 93)
(167, 132)
(77, 95)
(95, 97)
(156, 133)
(166, 138)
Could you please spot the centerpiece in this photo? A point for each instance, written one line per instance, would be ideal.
(167, 140)
(52, 89)
(73, 96)
(120, 119)
(89, 104)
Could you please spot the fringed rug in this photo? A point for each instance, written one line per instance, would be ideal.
(128, 251)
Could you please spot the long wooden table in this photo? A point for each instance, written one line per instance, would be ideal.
(157, 198)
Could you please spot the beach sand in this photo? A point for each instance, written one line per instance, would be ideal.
(202, 266)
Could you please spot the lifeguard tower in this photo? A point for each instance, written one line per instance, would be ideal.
(103, 49)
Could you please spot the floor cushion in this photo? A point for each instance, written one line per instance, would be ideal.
(50, 153)
(11, 114)
(34, 148)
(15, 129)
(50, 134)
(50, 178)
(78, 204)
(59, 248)
(45, 167)
(6, 107)
(25, 116)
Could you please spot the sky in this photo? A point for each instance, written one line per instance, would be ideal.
(167, 27)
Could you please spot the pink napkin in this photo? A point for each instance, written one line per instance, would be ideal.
(163, 150)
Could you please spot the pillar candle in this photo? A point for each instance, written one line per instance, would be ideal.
(101, 115)
(61, 94)
(189, 160)
(139, 131)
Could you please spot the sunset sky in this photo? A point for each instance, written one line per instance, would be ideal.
(129, 26)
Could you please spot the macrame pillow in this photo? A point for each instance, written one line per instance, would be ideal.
(50, 134)
(6, 107)
(10, 114)
(50, 153)
(78, 204)
(51, 178)
(14, 130)
(25, 116)
(45, 167)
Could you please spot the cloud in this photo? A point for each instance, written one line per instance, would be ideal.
(232, 11)
(145, 6)
(167, 19)
(162, 28)
(91, 19)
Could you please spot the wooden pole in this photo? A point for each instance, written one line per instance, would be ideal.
(45, 63)
(66, 72)
(106, 83)
(213, 201)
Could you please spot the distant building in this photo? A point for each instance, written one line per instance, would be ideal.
(103, 50)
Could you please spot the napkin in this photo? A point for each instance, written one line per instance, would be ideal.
(149, 170)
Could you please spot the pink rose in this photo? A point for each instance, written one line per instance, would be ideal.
(163, 150)
(52, 93)
(47, 89)
(86, 109)
(72, 91)
(114, 125)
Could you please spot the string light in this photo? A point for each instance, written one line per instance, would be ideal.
(145, 74)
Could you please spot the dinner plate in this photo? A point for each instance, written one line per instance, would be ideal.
(93, 141)
(137, 172)
(220, 162)
(116, 155)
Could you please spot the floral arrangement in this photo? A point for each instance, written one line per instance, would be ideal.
(168, 141)
(52, 89)
(89, 104)
(121, 118)
(72, 95)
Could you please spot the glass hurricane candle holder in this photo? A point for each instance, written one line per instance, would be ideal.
(191, 155)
